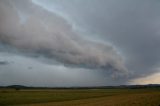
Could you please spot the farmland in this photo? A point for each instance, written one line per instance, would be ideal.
(80, 97)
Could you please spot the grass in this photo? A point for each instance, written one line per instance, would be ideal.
(80, 97)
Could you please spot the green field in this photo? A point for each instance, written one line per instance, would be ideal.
(80, 97)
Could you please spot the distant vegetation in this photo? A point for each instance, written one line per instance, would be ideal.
(92, 87)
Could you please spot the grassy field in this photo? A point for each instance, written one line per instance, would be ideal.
(80, 97)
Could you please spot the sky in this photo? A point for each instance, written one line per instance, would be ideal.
(57, 43)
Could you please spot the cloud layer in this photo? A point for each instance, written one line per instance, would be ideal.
(46, 33)
(100, 38)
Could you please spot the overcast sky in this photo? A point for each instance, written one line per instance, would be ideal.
(79, 42)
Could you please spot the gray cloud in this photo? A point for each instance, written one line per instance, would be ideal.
(101, 39)
(131, 25)
(4, 63)
(53, 37)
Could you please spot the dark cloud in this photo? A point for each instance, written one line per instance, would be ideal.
(131, 25)
(53, 37)
(4, 63)
(109, 37)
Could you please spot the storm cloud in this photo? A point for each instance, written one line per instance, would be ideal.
(54, 37)
(106, 39)
(132, 26)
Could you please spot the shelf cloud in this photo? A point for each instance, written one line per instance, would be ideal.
(114, 41)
